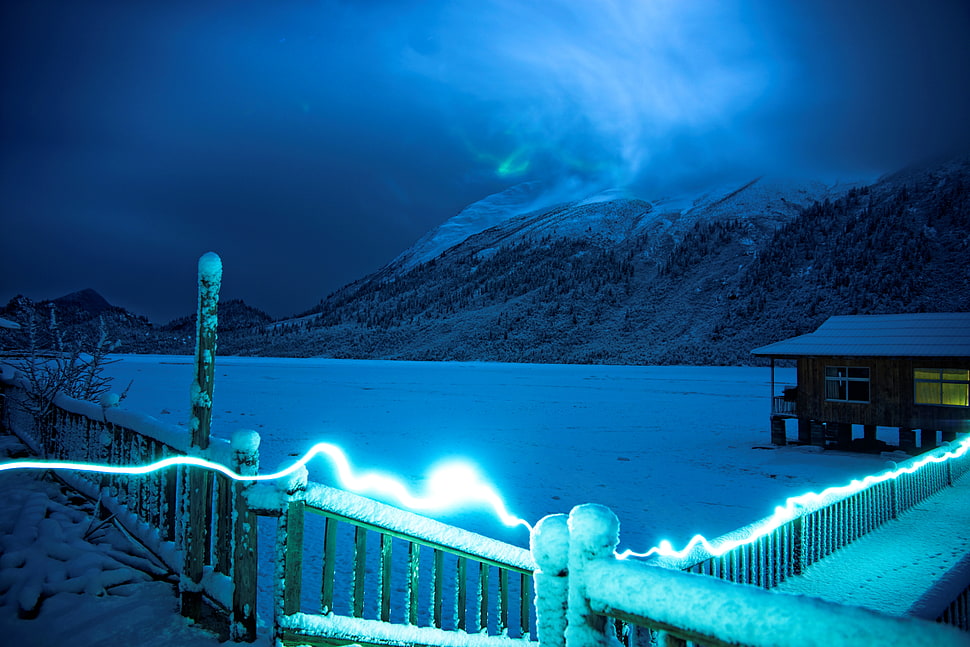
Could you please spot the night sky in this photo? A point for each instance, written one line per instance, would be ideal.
(310, 142)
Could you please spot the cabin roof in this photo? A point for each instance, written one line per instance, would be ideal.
(945, 334)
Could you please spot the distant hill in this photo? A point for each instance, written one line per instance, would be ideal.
(79, 316)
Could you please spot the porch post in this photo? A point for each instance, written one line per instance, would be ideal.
(907, 440)
(198, 482)
(844, 436)
(818, 433)
(594, 532)
(778, 436)
(549, 543)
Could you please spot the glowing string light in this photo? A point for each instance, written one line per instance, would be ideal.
(456, 484)
(791, 510)
(450, 485)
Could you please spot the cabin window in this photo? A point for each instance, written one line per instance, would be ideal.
(949, 387)
(847, 383)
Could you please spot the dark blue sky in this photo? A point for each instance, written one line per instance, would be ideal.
(309, 142)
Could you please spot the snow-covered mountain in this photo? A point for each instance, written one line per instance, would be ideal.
(560, 273)
(545, 276)
(533, 209)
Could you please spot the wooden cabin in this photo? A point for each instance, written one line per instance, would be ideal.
(908, 371)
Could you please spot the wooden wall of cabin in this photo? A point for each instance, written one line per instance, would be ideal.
(891, 394)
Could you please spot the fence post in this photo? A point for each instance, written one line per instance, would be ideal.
(289, 550)
(243, 565)
(549, 543)
(198, 488)
(593, 535)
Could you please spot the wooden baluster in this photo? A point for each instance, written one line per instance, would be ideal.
(482, 619)
(385, 604)
(223, 531)
(414, 569)
(243, 562)
(525, 606)
(461, 594)
(170, 482)
(503, 600)
(329, 565)
(437, 580)
(360, 569)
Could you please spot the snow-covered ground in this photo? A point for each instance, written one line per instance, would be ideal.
(669, 449)
(673, 451)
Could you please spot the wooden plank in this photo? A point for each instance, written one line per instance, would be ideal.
(525, 604)
(482, 619)
(437, 581)
(223, 526)
(414, 569)
(503, 600)
(244, 567)
(293, 557)
(386, 577)
(461, 594)
(329, 565)
(360, 570)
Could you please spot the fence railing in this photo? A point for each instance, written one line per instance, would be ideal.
(581, 586)
(823, 525)
(783, 406)
(149, 505)
(388, 576)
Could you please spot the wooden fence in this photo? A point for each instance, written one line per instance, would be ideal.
(825, 525)
(388, 576)
(453, 580)
(581, 585)
(406, 578)
(150, 506)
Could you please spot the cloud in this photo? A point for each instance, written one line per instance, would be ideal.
(597, 88)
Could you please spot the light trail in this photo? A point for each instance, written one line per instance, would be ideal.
(449, 486)
(456, 484)
(791, 510)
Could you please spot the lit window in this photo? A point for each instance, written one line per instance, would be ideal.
(847, 384)
(944, 386)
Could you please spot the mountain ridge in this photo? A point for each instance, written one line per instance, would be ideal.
(605, 277)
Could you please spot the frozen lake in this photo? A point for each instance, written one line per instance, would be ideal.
(674, 451)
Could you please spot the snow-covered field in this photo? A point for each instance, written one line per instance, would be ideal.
(673, 451)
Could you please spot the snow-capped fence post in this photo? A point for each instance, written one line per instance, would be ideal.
(198, 490)
(289, 549)
(242, 565)
(549, 543)
(593, 535)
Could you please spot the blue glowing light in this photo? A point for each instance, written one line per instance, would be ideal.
(456, 484)
(794, 507)
(449, 486)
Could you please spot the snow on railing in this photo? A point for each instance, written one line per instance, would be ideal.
(824, 524)
(581, 586)
(390, 576)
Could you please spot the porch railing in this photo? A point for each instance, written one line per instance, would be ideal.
(824, 525)
(581, 586)
(388, 576)
(782, 406)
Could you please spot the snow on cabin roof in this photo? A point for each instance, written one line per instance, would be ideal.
(907, 335)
